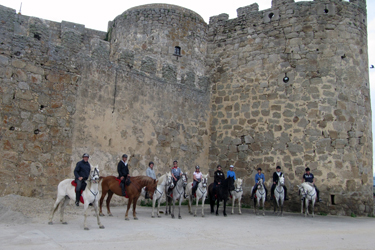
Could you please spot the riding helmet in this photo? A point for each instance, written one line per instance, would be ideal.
(231, 166)
(174, 161)
(307, 169)
(150, 163)
(124, 156)
(85, 155)
(218, 166)
(197, 167)
(278, 167)
(259, 169)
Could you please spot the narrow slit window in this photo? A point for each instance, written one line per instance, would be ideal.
(177, 51)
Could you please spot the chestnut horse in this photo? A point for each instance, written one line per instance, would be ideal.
(111, 186)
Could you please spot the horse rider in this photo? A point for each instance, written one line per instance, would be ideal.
(197, 178)
(218, 177)
(309, 177)
(231, 173)
(123, 172)
(176, 174)
(81, 173)
(258, 176)
(150, 173)
(275, 177)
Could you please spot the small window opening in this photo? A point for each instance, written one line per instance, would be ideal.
(36, 131)
(326, 10)
(42, 107)
(177, 51)
(11, 128)
(270, 15)
(37, 36)
(333, 199)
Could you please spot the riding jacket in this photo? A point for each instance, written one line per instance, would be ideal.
(176, 172)
(218, 176)
(308, 177)
(151, 173)
(259, 176)
(275, 177)
(231, 174)
(122, 169)
(82, 170)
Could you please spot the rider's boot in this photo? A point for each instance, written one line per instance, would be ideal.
(122, 184)
(185, 196)
(146, 195)
(78, 197)
(252, 195)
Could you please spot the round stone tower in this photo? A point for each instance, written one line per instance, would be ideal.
(161, 40)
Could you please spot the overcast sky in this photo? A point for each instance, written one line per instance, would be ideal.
(96, 16)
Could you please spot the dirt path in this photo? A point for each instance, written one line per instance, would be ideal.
(23, 225)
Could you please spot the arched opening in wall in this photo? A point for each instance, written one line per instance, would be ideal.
(11, 128)
(270, 15)
(36, 131)
(326, 10)
(333, 199)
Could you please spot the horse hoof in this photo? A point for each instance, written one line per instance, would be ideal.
(152, 216)
(101, 227)
(217, 214)
(195, 215)
(225, 215)
(110, 214)
(86, 228)
(232, 213)
(172, 216)
(135, 218)
(179, 217)
(101, 214)
(202, 215)
(64, 223)
(159, 216)
(239, 213)
(126, 218)
(50, 223)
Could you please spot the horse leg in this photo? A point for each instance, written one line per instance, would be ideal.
(134, 208)
(263, 200)
(255, 206)
(217, 207)
(212, 204)
(109, 197)
(233, 201)
(239, 205)
(306, 207)
(225, 205)
(85, 207)
(312, 207)
(62, 208)
(104, 193)
(127, 209)
(203, 199)
(95, 204)
(173, 201)
(166, 205)
(179, 207)
(282, 206)
(190, 204)
(153, 206)
(196, 207)
(301, 206)
(54, 208)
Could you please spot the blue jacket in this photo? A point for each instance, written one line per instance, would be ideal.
(261, 176)
(231, 174)
(82, 170)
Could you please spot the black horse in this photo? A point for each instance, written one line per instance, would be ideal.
(221, 193)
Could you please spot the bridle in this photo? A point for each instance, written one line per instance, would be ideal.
(238, 189)
(204, 184)
(184, 180)
(94, 178)
(260, 187)
(307, 193)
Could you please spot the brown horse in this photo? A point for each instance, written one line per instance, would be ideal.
(111, 186)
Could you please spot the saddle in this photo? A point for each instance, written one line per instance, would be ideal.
(74, 183)
(119, 182)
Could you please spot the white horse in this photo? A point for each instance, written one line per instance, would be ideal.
(237, 194)
(308, 193)
(200, 193)
(278, 202)
(177, 194)
(165, 182)
(66, 191)
(260, 196)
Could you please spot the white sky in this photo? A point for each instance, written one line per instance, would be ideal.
(96, 16)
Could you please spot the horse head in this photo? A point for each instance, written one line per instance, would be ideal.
(302, 190)
(151, 187)
(204, 180)
(169, 180)
(281, 181)
(260, 184)
(184, 179)
(94, 174)
(230, 183)
(238, 184)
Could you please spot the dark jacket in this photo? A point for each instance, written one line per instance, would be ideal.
(82, 170)
(122, 169)
(276, 177)
(219, 176)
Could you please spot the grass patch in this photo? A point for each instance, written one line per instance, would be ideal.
(322, 214)
(353, 215)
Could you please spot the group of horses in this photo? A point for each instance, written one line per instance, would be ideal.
(173, 193)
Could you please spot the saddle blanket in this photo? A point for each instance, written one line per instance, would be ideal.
(74, 183)
(119, 181)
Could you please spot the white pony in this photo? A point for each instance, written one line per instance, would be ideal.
(278, 202)
(307, 192)
(165, 182)
(66, 191)
(200, 193)
(237, 194)
(260, 196)
(177, 194)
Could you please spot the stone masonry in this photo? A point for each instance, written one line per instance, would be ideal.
(285, 86)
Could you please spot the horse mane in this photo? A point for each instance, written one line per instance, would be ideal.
(162, 178)
(144, 180)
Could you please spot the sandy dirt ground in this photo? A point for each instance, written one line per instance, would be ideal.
(24, 225)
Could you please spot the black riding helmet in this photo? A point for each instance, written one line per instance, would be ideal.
(259, 169)
(307, 169)
(150, 163)
(278, 167)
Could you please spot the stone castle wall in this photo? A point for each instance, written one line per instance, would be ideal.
(67, 90)
(320, 118)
